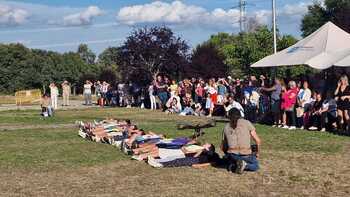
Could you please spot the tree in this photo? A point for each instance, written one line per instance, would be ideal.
(150, 51)
(109, 57)
(336, 11)
(108, 63)
(207, 62)
(109, 75)
(86, 54)
(14, 70)
(242, 50)
(246, 48)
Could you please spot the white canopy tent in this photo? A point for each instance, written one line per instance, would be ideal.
(344, 62)
(327, 46)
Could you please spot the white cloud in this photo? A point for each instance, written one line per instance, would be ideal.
(82, 18)
(12, 16)
(288, 14)
(175, 13)
(298, 9)
(178, 12)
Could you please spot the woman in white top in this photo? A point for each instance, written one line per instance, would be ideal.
(304, 103)
(54, 95)
(304, 95)
(212, 96)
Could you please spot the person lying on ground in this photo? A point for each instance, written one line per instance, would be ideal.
(176, 143)
(168, 154)
(200, 156)
(140, 136)
(236, 143)
(105, 130)
(107, 123)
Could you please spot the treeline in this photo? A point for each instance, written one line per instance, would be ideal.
(157, 50)
(145, 53)
(24, 68)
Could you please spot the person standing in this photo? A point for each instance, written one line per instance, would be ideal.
(276, 91)
(222, 90)
(342, 96)
(290, 99)
(304, 103)
(54, 95)
(121, 94)
(199, 92)
(98, 90)
(162, 91)
(212, 96)
(104, 90)
(87, 92)
(66, 90)
(152, 97)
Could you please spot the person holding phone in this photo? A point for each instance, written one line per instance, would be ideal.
(342, 96)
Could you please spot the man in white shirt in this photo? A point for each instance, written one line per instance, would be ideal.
(54, 95)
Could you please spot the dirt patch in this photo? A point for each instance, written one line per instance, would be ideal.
(282, 174)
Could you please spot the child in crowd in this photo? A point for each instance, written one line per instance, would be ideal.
(174, 106)
(173, 87)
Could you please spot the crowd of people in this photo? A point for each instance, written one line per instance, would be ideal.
(286, 104)
(159, 151)
(280, 103)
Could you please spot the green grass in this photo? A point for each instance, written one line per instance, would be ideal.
(61, 148)
(51, 149)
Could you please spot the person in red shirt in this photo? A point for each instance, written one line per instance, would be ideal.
(200, 91)
(289, 105)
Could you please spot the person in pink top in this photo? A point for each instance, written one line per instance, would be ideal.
(199, 92)
(289, 98)
(284, 105)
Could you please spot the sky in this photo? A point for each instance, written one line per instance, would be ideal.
(61, 25)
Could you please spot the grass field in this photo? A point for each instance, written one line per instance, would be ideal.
(8, 99)
(45, 157)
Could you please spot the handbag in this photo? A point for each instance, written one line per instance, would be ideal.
(300, 112)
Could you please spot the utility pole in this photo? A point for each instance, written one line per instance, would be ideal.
(274, 26)
(242, 4)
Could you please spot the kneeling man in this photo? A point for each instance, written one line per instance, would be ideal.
(236, 143)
